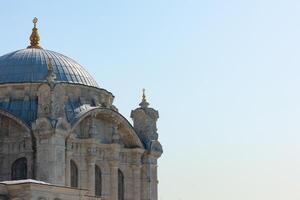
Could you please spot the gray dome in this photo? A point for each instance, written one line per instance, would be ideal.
(31, 66)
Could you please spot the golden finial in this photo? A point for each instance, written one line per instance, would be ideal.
(144, 103)
(34, 37)
(35, 20)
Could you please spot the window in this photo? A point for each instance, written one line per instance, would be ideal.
(19, 169)
(98, 181)
(120, 185)
(74, 174)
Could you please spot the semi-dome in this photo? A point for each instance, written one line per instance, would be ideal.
(31, 65)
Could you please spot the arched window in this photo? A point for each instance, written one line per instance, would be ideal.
(19, 169)
(98, 181)
(74, 174)
(120, 185)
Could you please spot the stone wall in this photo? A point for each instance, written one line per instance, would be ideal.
(79, 124)
(33, 190)
(15, 142)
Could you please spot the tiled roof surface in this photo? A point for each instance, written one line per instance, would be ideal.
(31, 65)
(26, 110)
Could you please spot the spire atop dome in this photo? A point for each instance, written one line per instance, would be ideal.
(34, 37)
(144, 96)
(144, 103)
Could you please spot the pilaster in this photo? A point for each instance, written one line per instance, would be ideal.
(50, 152)
(149, 177)
(136, 171)
(91, 162)
(114, 166)
(68, 156)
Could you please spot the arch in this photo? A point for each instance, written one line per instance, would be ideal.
(74, 174)
(15, 118)
(98, 181)
(120, 185)
(19, 169)
(108, 112)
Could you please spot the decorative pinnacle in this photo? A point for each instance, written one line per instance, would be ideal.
(144, 96)
(51, 76)
(35, 20)
(144, 103)
(34, 37)
(50, 68)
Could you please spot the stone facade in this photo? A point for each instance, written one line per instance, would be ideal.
(72, 137)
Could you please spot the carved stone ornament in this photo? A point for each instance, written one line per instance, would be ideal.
(156, 147)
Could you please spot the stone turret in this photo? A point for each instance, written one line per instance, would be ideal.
(144, 121)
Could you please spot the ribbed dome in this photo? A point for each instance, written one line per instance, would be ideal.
(31, 65)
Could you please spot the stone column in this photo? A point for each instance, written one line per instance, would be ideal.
(114, 166)
(67, 166)
(59, 156)
(106, 181)
(145, 183)
(136, 182)
(154, 182)
(91, 161)
(149, 179)
(45, 167)
(50, 160)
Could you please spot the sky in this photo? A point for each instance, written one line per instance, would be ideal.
(224, 76)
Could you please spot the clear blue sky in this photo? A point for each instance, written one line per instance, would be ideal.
(224, 76)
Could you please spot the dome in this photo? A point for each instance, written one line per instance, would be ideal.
(31, 66)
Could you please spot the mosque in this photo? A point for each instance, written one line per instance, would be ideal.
(61, 137)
